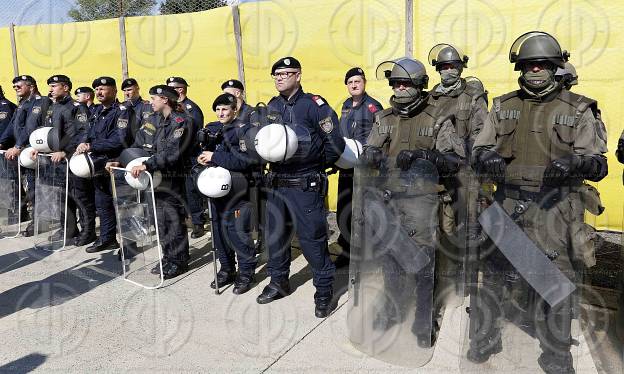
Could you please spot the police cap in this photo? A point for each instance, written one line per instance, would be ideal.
(104, 81)
(353, 72)
(165, 91)
(81, 90)
(129, 83)
(178, 80)
(24, 78)
(224, 99)
(285, 63)
(60, 78)
(233, 83)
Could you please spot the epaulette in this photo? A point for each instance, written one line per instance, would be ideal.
(318, 100)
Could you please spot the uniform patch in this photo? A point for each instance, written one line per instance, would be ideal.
(149, 128)
(36, 109)
(327, 125)
(372, 108)
(318, 100)
(189, 106)
(122, 107)
(146, 114)
(76, 103)
(242, 145)
(122, 123)
(178, 132)
(3, 115)
(81, 117)
(179, 119)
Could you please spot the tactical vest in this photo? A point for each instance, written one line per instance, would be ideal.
(531, 134)
(408, 133)
(459, 105)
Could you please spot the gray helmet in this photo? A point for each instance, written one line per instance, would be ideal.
(403, 69)
(537, 46)
(445, 53)
(568, 72)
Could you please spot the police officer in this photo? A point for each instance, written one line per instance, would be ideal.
(132, 93)
(232, 214)
(172, 143)
(410, 131)
(29, 115)
(105, 140)
(193, 196)
(70, 119)
(466, 100)
(356, 121)
(7, 108)
(236, 88)
(85, 95)
(539, 144)
(298, 186)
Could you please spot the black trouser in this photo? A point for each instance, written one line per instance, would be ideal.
(344, 209)
(83, 198)
(171, 215)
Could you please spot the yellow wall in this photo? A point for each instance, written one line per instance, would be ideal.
(329, 37)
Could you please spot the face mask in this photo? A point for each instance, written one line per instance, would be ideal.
(537, 81)
(407, 96)
(449, 76)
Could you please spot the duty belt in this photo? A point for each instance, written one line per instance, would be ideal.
(546, 195)
(309, 182)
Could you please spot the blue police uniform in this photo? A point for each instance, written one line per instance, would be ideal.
(232, 214)
(142, 110)
(7, 109)
(172, 142)
(356, 123)
(297, 188)
(106, 136)
(194, 197)
(245, 112)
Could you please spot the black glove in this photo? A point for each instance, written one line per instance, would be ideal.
(619, 152)
(406, 157)
(491, 165)
(208, 140)
(372, 157)
(559, 171)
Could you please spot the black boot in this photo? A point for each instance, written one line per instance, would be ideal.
(198, 231)
(224, 277)
(274, 291)
(553, 363)
(323, 305)
(242, 283)
(99, 246)
(175, 269)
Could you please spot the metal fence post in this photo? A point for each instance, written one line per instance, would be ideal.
(238, 36)
(409, 28)
(13, 49)
(124, 49)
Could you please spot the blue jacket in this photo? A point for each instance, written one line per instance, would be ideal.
(357, 122)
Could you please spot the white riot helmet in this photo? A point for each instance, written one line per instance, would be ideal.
(44, 139)
(131, 157)
(83, 165)
(214, 182)
(25, 160)
(352, 151)
(276, 142)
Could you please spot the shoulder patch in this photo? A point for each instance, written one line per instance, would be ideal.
(178, 132)
(81, 117)
(189, 106)
(3, 115)
(318, 100)
(122, 123)
(372, 108)
(242, 145)
(36, 109)
(327, 125)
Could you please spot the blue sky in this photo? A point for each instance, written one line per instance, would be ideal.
(29, 12)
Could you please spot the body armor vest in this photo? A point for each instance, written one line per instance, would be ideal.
(408, 133)
(530, 134)
(458, 103)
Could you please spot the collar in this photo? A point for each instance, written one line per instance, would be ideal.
(435, 92)
(294, 97)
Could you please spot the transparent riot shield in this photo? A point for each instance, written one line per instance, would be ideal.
(533, 307)
(394, 314)
(10, 198)
(137, 226)
(51, 189)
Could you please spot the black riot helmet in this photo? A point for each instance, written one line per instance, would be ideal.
(445, 53)
(537, 46)
(567, 73)
(403, 69)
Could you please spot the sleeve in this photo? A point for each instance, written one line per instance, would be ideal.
(478, 116)
(34, 119)
(591, 137)
(486, 139)
(333, 142)
(5, 117)
(231, 156)
(367, 120)
(7, 137)
(80, 116)
(67, 128)
(175, 147)
(447, 140)
(378, 136)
